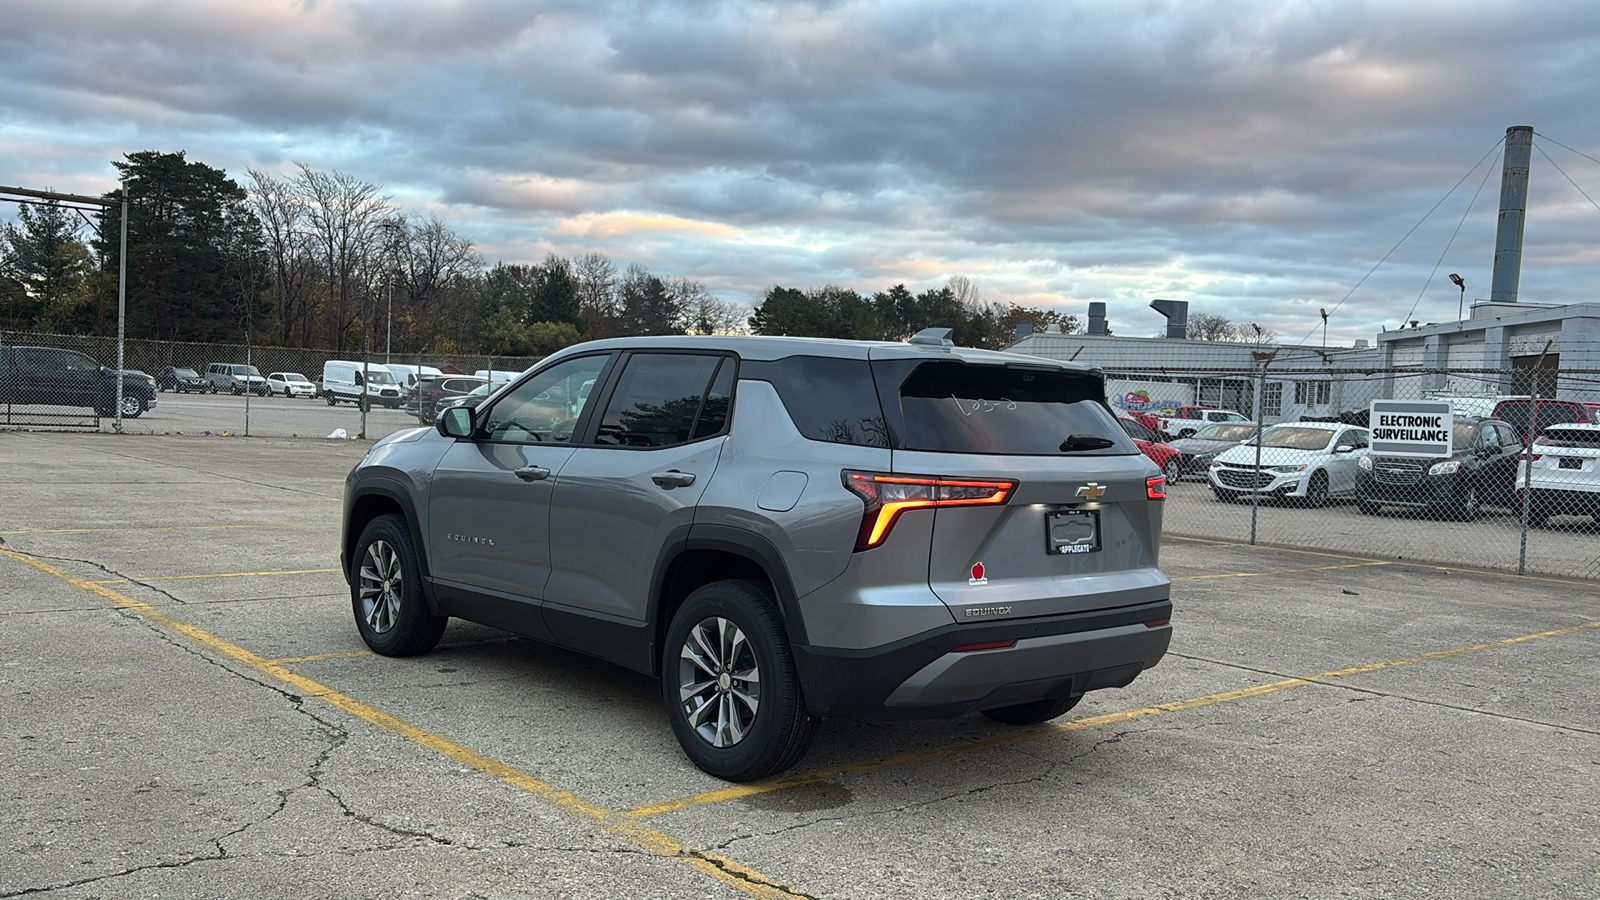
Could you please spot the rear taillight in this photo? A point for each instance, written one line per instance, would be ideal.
(1535, 456)
(887, 496)
(1156, 488)
(986, 645)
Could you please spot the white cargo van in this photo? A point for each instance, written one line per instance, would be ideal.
(343, 380)
(408, 375)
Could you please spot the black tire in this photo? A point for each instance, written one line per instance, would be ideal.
(756, 742)
(1033, 712)
(1468, 507)
(332, 400)
(1317, 490)
(1537, 517)
(213, 387)
(132, 407)
(393, 616)
(1173, 470)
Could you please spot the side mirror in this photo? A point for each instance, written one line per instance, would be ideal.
(1344, 449)
(456, 422)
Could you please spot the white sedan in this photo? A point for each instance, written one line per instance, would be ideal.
(290, 384)
(1309, 461)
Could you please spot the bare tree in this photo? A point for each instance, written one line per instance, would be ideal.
(431, 263)
(965, 292)
(291, 258)
(345, 215)
(704, 313)
(597, 282)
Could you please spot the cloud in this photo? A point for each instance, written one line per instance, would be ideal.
(1256, 158)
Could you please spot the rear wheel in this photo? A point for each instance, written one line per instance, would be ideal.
(386, 593)
(332, 400)
(1033, 712)
(131, 407)
(730, 684)
(1172, 469)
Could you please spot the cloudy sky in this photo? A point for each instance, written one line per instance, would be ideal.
(1254, 158)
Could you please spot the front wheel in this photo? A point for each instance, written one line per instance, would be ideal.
(1469, 506)
(730, 684)
(386, 592)
(213, 388)
(332, 400)
(1032, 712)
(1317, 490)
(131, 407)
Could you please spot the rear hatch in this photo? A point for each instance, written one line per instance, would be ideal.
(1079, 529)
(1566, 459)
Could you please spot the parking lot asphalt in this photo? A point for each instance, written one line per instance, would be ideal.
(190, 712)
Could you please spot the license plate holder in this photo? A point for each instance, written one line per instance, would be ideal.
(1569, 462)
(1072, 531)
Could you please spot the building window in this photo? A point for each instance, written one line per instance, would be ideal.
(1313, 393)
(1272, 398)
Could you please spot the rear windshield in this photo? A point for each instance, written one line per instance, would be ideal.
(949, 407)
(1570, 437)
(1551, 412)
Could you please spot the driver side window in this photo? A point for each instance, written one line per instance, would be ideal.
(546, 407)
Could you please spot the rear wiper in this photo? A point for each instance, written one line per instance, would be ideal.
(1077, 442)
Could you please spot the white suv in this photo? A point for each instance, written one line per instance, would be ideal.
(1563, 475)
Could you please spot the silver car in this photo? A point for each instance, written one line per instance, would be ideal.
(780, 530)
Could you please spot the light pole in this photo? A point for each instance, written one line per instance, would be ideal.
(1460, 283)
(1324, 330)
(393, 228)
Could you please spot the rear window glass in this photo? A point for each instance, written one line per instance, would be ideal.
(956, 408)
(1570, 437)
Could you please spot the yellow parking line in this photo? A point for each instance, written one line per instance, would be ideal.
(142, 579)
(1028, 734)
(726, 871)
(292, 660)
(162, 528)
(1364, 565)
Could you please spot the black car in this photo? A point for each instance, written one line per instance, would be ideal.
(177, 378)
(48, 376)
(1198, 450)
(1481, 472)
(433, 393)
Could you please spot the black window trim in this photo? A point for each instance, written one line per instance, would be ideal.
(590, 427)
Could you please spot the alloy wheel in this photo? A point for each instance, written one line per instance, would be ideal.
(719, 682)
(382, 586)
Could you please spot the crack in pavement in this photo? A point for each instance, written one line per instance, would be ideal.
(113, 572)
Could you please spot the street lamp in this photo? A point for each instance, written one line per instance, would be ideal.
(394, 229)
(1460, 283)
(1324, 329)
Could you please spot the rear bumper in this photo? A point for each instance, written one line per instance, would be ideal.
(920, 678)
(1565, 502)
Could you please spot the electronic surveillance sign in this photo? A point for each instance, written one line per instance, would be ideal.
(1419, 428)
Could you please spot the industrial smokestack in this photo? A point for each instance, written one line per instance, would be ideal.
(1177, 313)
(1513, 212)
(1097, 318)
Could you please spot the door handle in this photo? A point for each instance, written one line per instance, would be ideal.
(673, 479)
(532, 473)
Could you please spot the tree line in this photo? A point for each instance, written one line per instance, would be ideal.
(317, 259)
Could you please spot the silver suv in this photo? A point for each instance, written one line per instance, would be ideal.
(780, 530)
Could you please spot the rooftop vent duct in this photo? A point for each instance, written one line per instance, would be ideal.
(1177, 313)
(1097, 318)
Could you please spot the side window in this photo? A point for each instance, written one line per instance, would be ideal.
(1137, 431)
(719, 400)
(1508, 436)
(829, 399)
(658, 399)
(1489, 438)
(547, 406)
(1351, 439)
(77, 362)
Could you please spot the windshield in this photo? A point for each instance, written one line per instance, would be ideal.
(247, 371)
(186, 373)
(1293, 437)
(1228, 432)
(294, 376)
(380, 376)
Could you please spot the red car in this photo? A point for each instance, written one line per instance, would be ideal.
(1170, 460)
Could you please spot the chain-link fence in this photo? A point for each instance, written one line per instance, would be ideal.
(1313, 483)
(67, 381)
(1480, 498)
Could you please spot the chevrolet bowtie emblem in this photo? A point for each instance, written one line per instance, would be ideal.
(1091, 491)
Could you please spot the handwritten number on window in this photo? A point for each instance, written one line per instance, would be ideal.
(968, 407)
